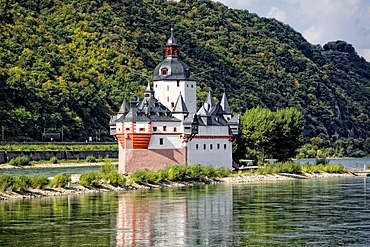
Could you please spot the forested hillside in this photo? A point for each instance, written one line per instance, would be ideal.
(68, 64)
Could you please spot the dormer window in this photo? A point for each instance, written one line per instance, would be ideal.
(164, 71)
(187, 71)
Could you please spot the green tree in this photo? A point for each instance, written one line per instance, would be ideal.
(273, 134)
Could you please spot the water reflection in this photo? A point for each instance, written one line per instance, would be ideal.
(328, 212)
(189, 217)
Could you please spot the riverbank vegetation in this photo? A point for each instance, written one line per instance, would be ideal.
(108, 175)
(292, 167)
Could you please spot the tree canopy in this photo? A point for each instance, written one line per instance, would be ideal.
(269, 134)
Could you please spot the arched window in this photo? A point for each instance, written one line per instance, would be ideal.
(164, 71)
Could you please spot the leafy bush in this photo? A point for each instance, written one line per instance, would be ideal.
(90, 178)
(291, 167)
(6, 181)
(114, 178)
(107, 168)
(223, 172)
(54, 160)
(139, 176)
(39, 182)
(178, 173)
(22, 183)
(61, 180)
(90, 159)
(20, 161)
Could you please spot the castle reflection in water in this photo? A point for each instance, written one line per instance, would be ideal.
(175, 220)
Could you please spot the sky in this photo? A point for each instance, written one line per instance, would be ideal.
(319, 21)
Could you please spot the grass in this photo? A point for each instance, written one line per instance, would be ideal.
(291, 167)
(61, 180)
(22, 182)
(20, 161)
(179, 173)
(106, 175)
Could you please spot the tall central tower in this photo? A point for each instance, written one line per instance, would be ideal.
(173, 77)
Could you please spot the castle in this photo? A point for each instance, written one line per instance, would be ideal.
(165, 128)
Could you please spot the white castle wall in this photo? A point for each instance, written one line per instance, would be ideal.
(167, 93)
(211, 146)
(169, 132)
(216, 152)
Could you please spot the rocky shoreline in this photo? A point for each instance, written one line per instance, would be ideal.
(75, 188)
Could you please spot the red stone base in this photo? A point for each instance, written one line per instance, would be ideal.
(153, 159)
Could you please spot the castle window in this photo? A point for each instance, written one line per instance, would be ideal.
(164, 71)
(156, 85)
(191, 86)
(174, 129)
(160, 141)
(225, 146)
(127, 128)
(204, 146)
(154, 128)
(218, 145)
(168, 99)
(196, 146)
(211, 146)
(178, 83)
(187, 85)
(164, 128)
(141, 129)
(168, 88)
(172, 105)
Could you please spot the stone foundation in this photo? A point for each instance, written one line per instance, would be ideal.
(151, 159)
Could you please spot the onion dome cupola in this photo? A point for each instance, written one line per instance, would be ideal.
(172, 68)
(172, 46)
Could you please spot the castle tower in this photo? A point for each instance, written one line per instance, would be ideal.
(172, 77)
(164, 127)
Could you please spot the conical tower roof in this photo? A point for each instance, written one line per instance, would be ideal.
(180, 106)
(209, 103)
(225, 104)
(125, 107)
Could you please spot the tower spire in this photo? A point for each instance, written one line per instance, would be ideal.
(172, 46)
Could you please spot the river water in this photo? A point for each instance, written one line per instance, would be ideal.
(321, 212)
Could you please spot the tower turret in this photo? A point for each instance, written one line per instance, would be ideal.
(172, 77)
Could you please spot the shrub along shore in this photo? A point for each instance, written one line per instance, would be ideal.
(108, 178)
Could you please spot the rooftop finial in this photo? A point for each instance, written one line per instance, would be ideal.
(172, 40)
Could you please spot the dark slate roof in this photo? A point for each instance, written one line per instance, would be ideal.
(148, 110)
(180, 106)
(177, 70)
(212, 114)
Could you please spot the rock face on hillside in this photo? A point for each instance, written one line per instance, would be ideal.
(67, 64)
